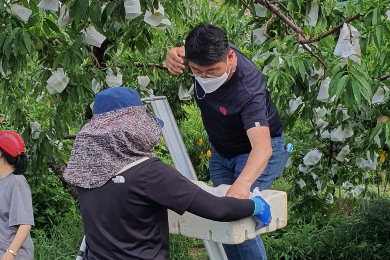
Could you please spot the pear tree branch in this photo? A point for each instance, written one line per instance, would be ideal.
(316, 39)
(249, 8)
(140, 65)
(298, 31)
(266, 26)
(384, 77)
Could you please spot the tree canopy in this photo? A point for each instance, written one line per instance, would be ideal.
(326, 63)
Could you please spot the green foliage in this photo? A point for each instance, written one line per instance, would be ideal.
(196, 141)
(299, 241)
(162, 152)
(61, 241)
(364, 235)
(30, 52)
(185, 248)
(51, 202)
(293, 73)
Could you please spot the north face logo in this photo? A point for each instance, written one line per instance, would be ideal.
(223, 110)
(118, 179)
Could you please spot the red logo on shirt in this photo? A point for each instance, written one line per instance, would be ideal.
(223, 110)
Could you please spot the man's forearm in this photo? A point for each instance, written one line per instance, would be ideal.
(257, 161)
(20, 237)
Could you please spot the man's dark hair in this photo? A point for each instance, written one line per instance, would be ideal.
(206, 45)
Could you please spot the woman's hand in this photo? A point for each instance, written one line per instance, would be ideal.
(7, 256)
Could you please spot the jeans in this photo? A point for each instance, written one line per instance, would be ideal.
(226, 170)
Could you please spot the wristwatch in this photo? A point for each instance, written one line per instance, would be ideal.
(12, 252)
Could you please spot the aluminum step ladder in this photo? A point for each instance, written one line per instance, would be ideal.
(180, 159)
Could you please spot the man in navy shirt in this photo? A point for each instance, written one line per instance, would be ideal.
(241, 121)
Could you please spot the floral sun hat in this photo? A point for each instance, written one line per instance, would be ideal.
(122, 131)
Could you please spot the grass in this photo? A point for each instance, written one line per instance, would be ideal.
(363, 235)
(185, 248)
(333, 237)
(60, 242)
(63, 241)
(281, 184)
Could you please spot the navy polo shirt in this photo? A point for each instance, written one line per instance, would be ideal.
(240, 104)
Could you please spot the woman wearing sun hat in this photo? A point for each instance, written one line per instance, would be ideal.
(124, 191)
(16, 213)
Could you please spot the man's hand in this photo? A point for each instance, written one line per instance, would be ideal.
(240, 190)
(175, 60)
(7, 256)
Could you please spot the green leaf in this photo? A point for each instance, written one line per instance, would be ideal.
(95, 13)
(84, 4)
(242, 12)
(275, 62)
(337, 68)
(52, 25)
(48, 147)
(387, 134)
(77, 59)
(108, 11)
(374, 132)
(302, 69)
(64, 128)
(357, 69)
(74, 96)
(8, 43)
(379, 36)
(46, 29)
(372, 153)
(67, 62)
(27, 41)
(333, 85)
(80, 92)
(2, 38)
(356, 92)
(86, 82)
(16, 45)
(376, 18)
(272, 43)
(266, 54)
(7, 51)
(363, 41)
(271, 77)
(57, 60)
(340, 87)
(367, 94)
(295, 63)
(365, 88)
(383, 135)
(78, 12)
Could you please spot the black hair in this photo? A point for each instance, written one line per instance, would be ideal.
(206, 45)
(19, 162)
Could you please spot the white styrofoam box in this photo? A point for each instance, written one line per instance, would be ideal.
(234, 232)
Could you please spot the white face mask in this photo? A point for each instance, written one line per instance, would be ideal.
(210, 85)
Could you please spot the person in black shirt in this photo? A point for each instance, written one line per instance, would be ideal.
(239, 117)
(124, 191)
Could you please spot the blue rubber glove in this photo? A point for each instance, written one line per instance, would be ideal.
(262, 212)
